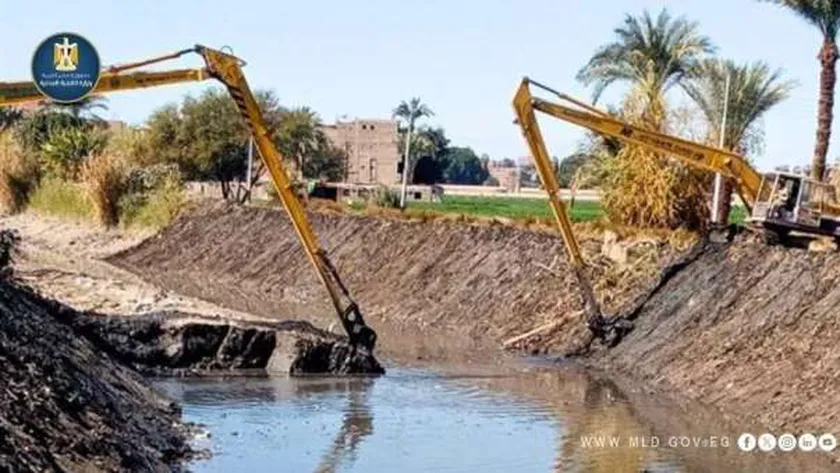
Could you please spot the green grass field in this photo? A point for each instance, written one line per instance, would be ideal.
(522, 208)
(507, 207)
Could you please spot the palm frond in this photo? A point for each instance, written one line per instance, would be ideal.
(652, 52)
(754, 89)
(824, 14)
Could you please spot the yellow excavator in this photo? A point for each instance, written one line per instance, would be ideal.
(778, 203)
(227, 69)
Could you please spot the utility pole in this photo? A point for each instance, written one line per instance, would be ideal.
(250, 166)
(716, 217)
(406, 165)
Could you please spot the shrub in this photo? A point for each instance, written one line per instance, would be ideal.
(54, 196)
(645, 189)
(387, 198)
(104, 179)
(66, 150)
(154, 196)
(33, 131)
(642, 189)
(131, 145)
(19, 174)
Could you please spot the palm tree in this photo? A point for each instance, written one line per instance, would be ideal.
(652, 54)
(825, 15)
(409, 112)
(85, 107)
(753, 90)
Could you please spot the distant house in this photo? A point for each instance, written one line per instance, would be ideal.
(117, 125)
(372, 149)
(506, 173)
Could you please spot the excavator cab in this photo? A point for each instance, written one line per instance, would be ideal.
(788, 202)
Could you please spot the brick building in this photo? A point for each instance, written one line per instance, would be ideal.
(506, 175)
(371, 147)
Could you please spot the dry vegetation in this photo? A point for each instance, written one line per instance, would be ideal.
(18, 175)
(104, 178)
(642, 188)
(112, 184)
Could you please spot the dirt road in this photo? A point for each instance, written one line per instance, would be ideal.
(62, 260)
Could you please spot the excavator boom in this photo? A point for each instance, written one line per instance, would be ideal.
(523, 106)
(227, 69)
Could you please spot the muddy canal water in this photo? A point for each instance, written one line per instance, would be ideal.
(533, 420)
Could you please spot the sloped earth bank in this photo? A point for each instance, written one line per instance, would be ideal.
(65, 406)
(426, 287)
(747, 326)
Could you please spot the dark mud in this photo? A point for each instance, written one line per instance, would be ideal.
(182, 344)
(65, 406)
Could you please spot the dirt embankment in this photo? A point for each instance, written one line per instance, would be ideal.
(64, 406)
(749, 327)
(459, 285)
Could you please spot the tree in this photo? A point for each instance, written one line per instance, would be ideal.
(754, 89)
(409, 112)
(300, 137)
(428, 145)
(9, 116)
(208, 140)
(570, 165)
(206, 136)
(464, 167)
(33, 131)
(327, 162)
(213, 139)
(652, 55)
(84, 108)
(825, 15)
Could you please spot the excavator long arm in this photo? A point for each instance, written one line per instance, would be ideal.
(527, 121)
(731, 165)
(227, 69)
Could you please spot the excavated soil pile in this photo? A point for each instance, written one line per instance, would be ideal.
(183, 344)
(747, 326)
(64, 406)
(482, 282)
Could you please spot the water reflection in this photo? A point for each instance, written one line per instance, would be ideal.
(604, 415)
(534, 421)
(356, 425)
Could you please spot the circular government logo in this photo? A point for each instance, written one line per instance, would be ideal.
(65, 67)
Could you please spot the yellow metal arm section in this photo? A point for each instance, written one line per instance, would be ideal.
(16, 93)
(747, 179)
(228, 69)
(523, 106)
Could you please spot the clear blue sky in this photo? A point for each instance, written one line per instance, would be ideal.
(463, 57)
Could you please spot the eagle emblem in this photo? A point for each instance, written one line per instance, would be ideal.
(66, 56)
